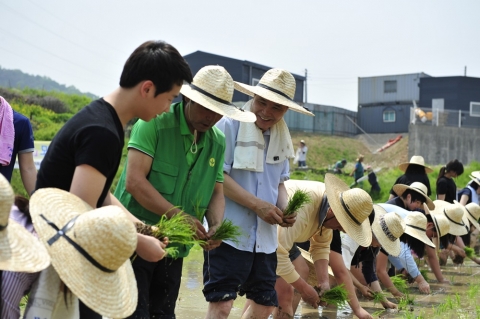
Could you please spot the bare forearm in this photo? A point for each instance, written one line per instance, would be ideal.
(216, 208)
(321, 270)
(149, 198)
(238, 194)
(434, 264)
(112, 200)
(343, 277)
(28, 171)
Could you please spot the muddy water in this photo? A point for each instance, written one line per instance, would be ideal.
(459, 300)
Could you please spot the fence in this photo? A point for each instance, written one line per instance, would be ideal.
(438, 117)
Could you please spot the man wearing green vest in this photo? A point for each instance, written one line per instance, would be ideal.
(175, 165)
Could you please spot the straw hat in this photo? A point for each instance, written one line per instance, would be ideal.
(351, 207)
(473, 214)
(454, 214)
(302, 141)
(399, 189)
(442, 225)
(417, 160)
(212, 88)
(416, 223)
(387, 228)
(276, 85)
(20, 251)
(475, 177)
(90, 249)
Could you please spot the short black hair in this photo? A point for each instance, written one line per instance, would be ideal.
(158, 62)
(414, 195)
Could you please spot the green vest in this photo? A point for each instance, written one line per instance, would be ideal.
(183, 186)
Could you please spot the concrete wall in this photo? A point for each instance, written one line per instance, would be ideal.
(441, 144)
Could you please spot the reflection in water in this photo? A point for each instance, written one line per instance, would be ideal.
(192, 304)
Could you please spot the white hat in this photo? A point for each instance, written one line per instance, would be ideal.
(387, 228)
(351, 208)
(475, 176)
(417, 160)
(276, 85)
(418, 187)
(89, 249)
(20, 251)
(212, 87)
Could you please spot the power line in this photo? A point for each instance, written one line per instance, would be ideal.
(56, 34)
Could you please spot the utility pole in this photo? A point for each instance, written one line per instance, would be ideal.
(306, 100)
(465, 73)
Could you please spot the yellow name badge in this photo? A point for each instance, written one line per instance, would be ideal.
(212, 162)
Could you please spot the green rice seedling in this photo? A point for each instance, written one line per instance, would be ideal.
(452, 278)
(424, 274)
(470, 252)
(227, 230)
(299, 198)
(378, 296)
(378, 313)
(473, 291)
(399, 283)
(178, 229)
(406, 302)
(336, 296)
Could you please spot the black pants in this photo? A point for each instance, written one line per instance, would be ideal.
(158, 286)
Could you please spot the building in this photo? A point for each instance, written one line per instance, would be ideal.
(384, 102)
(241, 71)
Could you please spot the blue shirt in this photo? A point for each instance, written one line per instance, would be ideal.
(257, 234)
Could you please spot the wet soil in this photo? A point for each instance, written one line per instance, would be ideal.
(459, 300)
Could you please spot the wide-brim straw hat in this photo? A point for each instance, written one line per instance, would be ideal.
(351, 208)
(473, 214)
(454, 213)
(465, 216)
(213, 87)
(418, 187)
(416, 226)
(89, 249)
(387, 228)
(417, 160)
(20, 251)
(441, 223)
(276, 85)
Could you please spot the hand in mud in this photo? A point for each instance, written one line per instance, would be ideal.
(366, 292)
(269, 213)
(150, 248)
(445, 281)
(289, 220)
(389, 305)
(363, 314)
(310, 296)
(424, 287)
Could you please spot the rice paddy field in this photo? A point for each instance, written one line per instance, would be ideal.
(461, 299)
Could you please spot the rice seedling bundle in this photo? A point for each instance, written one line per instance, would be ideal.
(297, 201)
(399, 283)
(336, 296)
(378, 296)
(227, 231)
(470, 252)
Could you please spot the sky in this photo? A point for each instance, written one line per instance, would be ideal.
(85, 43)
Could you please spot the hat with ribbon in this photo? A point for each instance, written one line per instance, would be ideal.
(387, 228)
(416, 226)
(276, 85)
(20, 251)
(351, 208)
(418, 187)
(472, 212)
(454, 213)
(213, 87)
(89, 249)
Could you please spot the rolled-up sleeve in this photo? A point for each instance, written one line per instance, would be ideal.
(229, 127)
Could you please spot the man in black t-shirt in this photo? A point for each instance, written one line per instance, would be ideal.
(84, 156)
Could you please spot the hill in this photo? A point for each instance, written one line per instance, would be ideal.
(20, 80)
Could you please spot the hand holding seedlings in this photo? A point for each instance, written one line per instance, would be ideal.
(336, 296)
(366, 292)
(424, 287)
(269, 213)
(309, 294)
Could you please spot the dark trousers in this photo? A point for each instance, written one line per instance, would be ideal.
(158, 286)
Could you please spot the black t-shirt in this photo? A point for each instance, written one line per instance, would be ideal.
(410, 178)
(336, 244)
(447, 186)
(94, 136)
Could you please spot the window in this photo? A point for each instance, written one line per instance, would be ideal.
(389, 116)
(390, 87)
(255, 81)
(475, 109)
